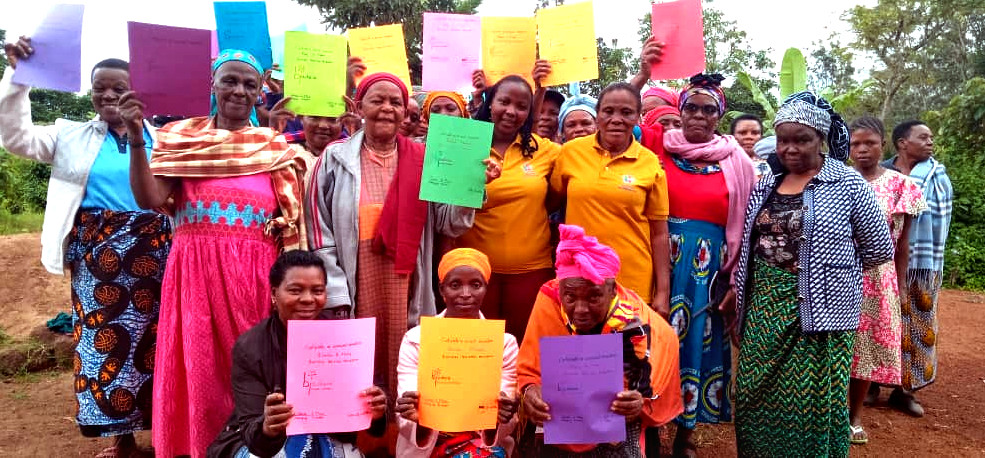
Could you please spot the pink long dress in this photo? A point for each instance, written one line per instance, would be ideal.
(215, 288)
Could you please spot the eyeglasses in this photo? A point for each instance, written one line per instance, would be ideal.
(708, 110)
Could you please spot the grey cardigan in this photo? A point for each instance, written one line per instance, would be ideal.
(332, 215)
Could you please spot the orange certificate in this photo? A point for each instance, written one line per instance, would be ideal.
(459, 373)
(509, 47)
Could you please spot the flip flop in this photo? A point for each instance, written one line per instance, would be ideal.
(858, 435)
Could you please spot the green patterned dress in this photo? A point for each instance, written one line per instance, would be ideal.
(792, 387)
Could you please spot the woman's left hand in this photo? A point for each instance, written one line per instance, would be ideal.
(628, 404)
(279, 115)
(507, 408)
(542, 69)
(376, 399)
(493, 169)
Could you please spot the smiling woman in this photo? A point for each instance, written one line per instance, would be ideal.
(235, 192)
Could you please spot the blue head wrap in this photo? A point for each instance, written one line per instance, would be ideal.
(228, 55)
(578, 102)
(812, 110)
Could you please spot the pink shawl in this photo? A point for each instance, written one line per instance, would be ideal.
(740, 177)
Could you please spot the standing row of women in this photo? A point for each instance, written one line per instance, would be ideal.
(683, 230)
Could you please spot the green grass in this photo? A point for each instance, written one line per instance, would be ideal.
(20, 223)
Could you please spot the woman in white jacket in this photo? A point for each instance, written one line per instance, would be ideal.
(115, 252)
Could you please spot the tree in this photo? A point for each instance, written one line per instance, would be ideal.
(833, 67)
(615, 64)
(926, 50)
(345, 14)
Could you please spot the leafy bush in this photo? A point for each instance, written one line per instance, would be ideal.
(23, 184)
(960, 145)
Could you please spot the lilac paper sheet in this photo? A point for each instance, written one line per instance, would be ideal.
(452, 51)
(57, 59)
(581, 376)
(170, 68)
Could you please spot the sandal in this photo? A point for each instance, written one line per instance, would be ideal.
(858, 435)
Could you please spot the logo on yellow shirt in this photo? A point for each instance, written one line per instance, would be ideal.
(627, 182)
(528, 170)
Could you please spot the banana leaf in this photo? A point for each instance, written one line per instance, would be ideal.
(744, 79)
(793, 73)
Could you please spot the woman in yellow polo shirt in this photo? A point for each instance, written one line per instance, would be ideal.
(511, 228)
(615, 188)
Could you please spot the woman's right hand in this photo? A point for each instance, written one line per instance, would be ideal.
(533, 402)
(542, 69)
(355, 70)
(21, 49)
(277, 413)
(407, 406)
(132, 113)
(478, 80)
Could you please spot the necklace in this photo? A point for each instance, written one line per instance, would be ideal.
(381, 155)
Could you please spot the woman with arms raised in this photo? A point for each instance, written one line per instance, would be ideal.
(810, 232)
(114, 251)
(235, 192)
(464, 274)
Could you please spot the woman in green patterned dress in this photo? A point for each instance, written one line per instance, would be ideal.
(810, 231)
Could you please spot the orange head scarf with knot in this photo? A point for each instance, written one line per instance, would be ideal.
(466, 257)
(434, 95)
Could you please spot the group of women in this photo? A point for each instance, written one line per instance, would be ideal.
(188, 248)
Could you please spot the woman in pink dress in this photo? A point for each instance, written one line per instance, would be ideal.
(235, 192)
(877, 346)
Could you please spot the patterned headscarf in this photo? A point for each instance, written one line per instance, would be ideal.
(454, 96)
(812, 110)
(706, 84)
(237, 55)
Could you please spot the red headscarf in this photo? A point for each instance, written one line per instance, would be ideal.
(669, 96)
(374, 78)
(653, 115)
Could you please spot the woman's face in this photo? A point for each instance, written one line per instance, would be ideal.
(747, 133)
(699, 118)
(237, 86)
(547, 121)
(586, 303)
(652, 102)
(577, 124)
(798, 147)
(866, 148)
(617, 115)
(108, 84)
(319, 131)
(301, 296)
(510, 108)
(383, 109)
(670, 121)
(445, 106)
(412, 118)
(463, 290)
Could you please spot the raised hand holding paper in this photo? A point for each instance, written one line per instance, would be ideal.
(509, 47)
(329, 363)
(459, 373)
(567, 40)
(679, 24)
(453, 154)
(243, 25)
(452, 49)
(57, 59)
(581, 376)
(382, 50)
(169, 68)
(314, 68)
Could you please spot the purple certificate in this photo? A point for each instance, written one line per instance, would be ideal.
(170, 68)
(57, 59)
(581, 376)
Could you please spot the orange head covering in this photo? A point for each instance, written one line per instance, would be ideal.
(464, 257)
(454, 96)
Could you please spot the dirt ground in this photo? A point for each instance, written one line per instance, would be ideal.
(38, 417)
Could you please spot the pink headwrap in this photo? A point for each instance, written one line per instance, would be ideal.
(669, 96)
(580, 255)
(655, 114)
